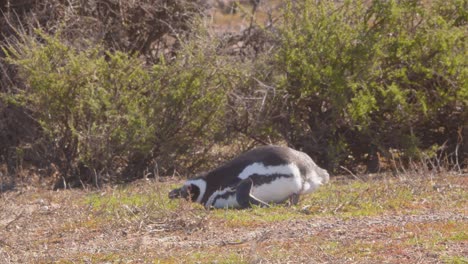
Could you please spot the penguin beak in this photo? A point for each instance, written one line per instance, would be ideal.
(176, 193)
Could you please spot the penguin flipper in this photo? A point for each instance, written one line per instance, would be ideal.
(243, 193)
(244, 197)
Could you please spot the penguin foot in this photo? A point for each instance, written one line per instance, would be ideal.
(293, 199)
(255, 201)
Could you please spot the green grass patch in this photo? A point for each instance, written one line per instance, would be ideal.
(257, 216)
(214, 257)
(132, 199)
(459, 236)
(206, 255)
(94, 258)
(387, 196)
(455, 259)
(344, 199)
(434, 236)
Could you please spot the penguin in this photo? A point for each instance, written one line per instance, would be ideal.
(267, 174)
(239, 196)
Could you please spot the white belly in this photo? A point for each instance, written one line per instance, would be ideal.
(278, 190)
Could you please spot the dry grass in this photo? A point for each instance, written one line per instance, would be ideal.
(409, 219)
(241, 19)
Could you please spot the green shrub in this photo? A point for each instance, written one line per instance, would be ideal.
(109, 114)
(363, 78)
(345, 82)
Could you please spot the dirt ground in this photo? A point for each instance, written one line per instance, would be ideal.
(338, 224)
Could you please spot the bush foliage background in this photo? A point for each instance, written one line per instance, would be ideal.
(153, 89)
(365, 78)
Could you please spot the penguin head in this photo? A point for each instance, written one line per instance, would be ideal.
(187, 192)
(192, 190)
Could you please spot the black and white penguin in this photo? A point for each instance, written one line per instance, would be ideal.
(268, 174)
(239, 196)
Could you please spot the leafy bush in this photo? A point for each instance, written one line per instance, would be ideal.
(346, 82)
(109, 114)
(148, 27)
(363, 78)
